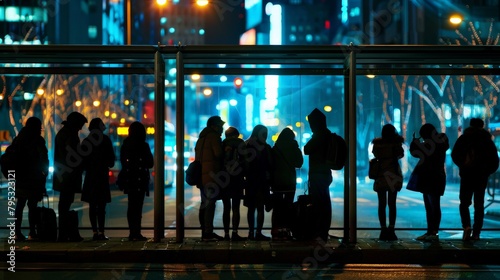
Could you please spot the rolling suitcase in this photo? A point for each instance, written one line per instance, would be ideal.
(46, 226)
(303, 222)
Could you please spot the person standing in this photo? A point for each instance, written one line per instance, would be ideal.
(320, 175)
(257, 193)
(232, 193)
(208, 150)
(68, 169)
(431, 182)
(136, 159)
(99, 157)
(31, 173)
(476, 156)
(287, 156)
(388, 149)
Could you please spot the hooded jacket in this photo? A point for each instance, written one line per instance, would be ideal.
(474, 153)
(317, 145)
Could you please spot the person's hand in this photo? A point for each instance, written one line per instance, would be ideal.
(414, 137)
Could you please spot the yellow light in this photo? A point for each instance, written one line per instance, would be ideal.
(207, 92)
(327, 108)
(370, 76)
(96, 103)
(455, 19)
(298, 124)
(106, 113)
(161, 2)
(150, 130)
(126, 102)
(122, 120)
(145, 116)
(40, 91)
(78, 103)
(113, 116)
(122, 130)
(195, 77)
(201, 2)
(59, 92)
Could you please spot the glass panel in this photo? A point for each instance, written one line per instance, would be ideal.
(408, 102)
(274, 101)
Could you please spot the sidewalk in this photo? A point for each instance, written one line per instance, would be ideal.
(192, 250)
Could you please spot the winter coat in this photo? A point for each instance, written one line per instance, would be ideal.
(32, 169)
(208, 150)
(235, 166)
(388, 153)
(287, 156)
(431, 165)
(68, 161)
(475, 154)
(259, 161)
(136, 159)
(316, 147)
(99, 159)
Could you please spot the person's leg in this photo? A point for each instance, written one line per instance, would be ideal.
(479, 209)
(466, 187)
(226, 215)
(133, 203)
(235, 207)
(382, 204)
(93, 218)
(319, 190)
(32, 216)
(251, 222)
(435, 205)
(65, 201)
(21, 202)
(201, 212)
(101, 220)
(288, 208)
(428, 212)
(391, 203)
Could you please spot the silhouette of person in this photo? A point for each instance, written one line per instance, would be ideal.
(287, 156)
(388, 149)
(476, 156)
(136, 159)
(232, 192)
(68, 169)
(320, 175)
(208, 150)
(431, 182)
(31, 173)
(99, 157)
(257, 192)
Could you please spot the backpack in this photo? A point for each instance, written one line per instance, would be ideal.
(8, 160)
(336, 152)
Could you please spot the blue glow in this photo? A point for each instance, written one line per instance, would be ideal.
(344, 10)
(275, 31)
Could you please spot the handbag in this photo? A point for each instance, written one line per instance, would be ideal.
(193, 172)
(413, 181)
(374, 168)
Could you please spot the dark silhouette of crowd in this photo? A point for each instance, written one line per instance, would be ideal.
(249, 172)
